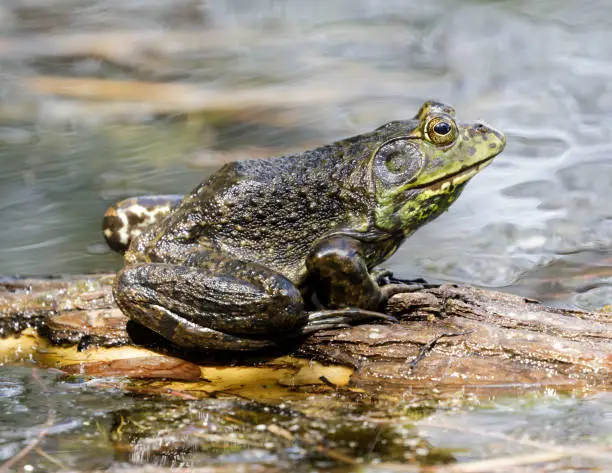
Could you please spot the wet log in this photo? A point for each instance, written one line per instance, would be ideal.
(448, 337)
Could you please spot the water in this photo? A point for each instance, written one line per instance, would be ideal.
(80, 425)
(268, 76)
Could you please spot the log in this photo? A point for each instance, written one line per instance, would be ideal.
(449, 337)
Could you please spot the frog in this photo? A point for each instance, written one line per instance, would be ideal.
(267, 251)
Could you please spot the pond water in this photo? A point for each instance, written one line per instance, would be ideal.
(261, 78)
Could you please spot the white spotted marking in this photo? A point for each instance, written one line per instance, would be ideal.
(148, 216)
(123, 233)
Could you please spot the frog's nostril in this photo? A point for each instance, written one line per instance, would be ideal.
(482, 128)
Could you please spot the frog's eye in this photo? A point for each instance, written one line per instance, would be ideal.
(398, 161)
(441, 131)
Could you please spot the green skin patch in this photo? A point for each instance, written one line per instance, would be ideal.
(444, 170)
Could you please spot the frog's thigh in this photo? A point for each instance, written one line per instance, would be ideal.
(239, 306)
(340, 277)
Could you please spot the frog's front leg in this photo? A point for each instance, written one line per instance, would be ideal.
(212, 302)
(339, 277)
(342, 287)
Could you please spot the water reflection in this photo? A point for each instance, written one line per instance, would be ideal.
(89, 425)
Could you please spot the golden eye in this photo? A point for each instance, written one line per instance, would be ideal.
(441, 131)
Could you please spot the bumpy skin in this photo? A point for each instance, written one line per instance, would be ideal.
(240, 262)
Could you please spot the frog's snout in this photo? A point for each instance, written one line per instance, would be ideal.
(488, 133)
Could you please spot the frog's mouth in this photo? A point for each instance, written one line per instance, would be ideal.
(458, 178)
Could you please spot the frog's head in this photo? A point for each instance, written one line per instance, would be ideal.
(423, 165)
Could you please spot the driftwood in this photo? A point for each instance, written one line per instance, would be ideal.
(449, 337)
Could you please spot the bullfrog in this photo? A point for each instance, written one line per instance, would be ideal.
(268, 250)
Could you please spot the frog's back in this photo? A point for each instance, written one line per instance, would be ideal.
(266, 210)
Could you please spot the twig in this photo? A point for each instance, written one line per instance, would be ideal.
(432, 343)
(52, 459)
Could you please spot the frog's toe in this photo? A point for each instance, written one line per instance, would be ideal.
(333, 324)
(399, 288)
(341, 318)
(382, 276)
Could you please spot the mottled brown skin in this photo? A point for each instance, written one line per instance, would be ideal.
(247, 258)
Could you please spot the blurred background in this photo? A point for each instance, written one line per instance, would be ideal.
(105, 99)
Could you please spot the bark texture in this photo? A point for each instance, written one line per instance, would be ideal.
(449, 336)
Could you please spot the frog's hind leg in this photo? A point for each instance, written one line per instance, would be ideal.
(129, 218)
(220, 304)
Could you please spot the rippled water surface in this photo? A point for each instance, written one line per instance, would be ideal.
(259, 78)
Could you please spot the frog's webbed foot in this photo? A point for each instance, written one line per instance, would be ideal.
(341, 318)
(391, 290)
(384, 278)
